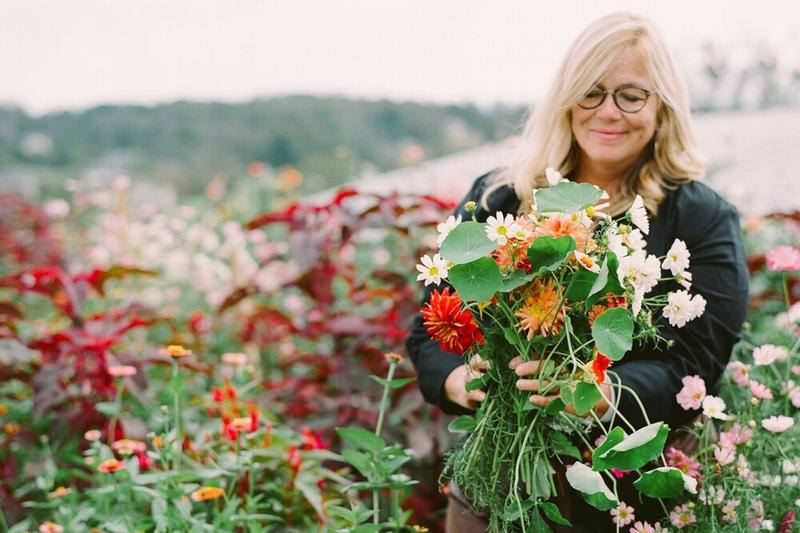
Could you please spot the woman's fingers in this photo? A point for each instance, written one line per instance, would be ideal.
(514, 362)
(542, 401)
(476, 395)
(527, 368)
(533, 385)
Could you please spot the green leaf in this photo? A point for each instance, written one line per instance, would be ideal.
(358, 460)
(637, 449)
(614, 437)
(517, 278)
(566, 394)
(396, 383)
(366, 440)
(664, 482)
(477, 383)
(466, 243)
(368, 528)
(107, 408)
(562, 446)
(555, 406)
(552, 512)
(547, 253)
(591, 486)
(567, 197)
(477, 281)
(462, 423)
(613, 333)
(512, 510)
(158, 510)
(585, 397)
(580, 285)
(607, 280)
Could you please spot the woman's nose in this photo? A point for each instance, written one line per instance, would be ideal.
(608, 109)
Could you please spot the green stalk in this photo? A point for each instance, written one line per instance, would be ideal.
(176, 406)
(385, 397)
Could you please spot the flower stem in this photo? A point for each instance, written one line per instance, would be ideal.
(385, 398)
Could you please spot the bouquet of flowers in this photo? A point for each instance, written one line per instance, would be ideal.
(568, 286)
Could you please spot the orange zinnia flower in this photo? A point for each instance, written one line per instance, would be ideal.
(559, 226)
(128, 446)
(60, 492)
(175, 350)
(539, 313)
(445, 321)
(109, 466)
(50, 527)
(207, 493)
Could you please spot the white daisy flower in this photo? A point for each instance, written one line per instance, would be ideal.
(639, 215)
(677, 260)
(640, 270)
(432, 270)
(616, 244)
(446, 227)
(714, 407)
(500, 227)
(684, 279)
(681, 307)
(636, 303)
(553, 176)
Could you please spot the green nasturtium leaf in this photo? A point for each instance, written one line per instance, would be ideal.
(585, 397)
(516, 279)
(567, 197)
(547, 253)
(591, 486)
(612, 331)
(665, 482)
(477, 281)
(555, 406)
(466, 243)
(637, 449)
(614, 437)
(462, 423)
(580, 285)
(562, 446)
(607, 280)
(552, 512)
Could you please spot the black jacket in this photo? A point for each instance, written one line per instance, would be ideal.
(709, 226)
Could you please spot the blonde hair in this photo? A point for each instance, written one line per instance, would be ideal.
(669, 159)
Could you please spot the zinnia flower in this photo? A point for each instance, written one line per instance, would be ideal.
(539, 313)
(693, 393)
(622, 515)
(128, 446)
(60, 492)
(783, 259)
(677, 260)
(50, 527)
(432, 270)
(175, 350)
(445, 321)
(121, 371)
(234, 359)
(777, 424)
(207, 493)
(109, 466)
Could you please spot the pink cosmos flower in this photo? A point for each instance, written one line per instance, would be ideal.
(729, 511)
(740, 373)
(622, 515)
(724, 455)
(693, 392)
(777, 424)
(756, 515)
(642, 527)
(769, 353)
(682, 516)
(619, 474)
(760, 391)
(796, 370)
(685, 463)
(742, 468)
(783, 259)
(736, 435)
(794, 396)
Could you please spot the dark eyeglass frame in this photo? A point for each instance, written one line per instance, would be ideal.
(606, 92)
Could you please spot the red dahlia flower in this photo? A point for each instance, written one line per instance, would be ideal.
(445, 320)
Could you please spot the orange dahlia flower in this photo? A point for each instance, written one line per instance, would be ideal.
(447, 322)
(540, 312)
(560, 226)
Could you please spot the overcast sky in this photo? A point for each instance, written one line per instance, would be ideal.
(66, 54)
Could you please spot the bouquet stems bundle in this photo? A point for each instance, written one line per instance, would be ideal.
(567, 287)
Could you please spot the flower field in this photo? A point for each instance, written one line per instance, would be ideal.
(232, 363)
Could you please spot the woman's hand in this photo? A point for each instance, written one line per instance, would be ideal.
(455, 386)
(527, 368)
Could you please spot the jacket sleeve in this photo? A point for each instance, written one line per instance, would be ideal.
(433, 364)
(710, 228)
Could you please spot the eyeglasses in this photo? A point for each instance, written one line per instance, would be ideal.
(627, 99)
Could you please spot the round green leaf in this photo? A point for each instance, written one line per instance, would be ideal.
(613, 333)
(664, 482)
(580, 285)
(585, 397)
(614, 437)
(567, 197)
(637, 449)
(477, 281)
(466, 243)
(547, 253)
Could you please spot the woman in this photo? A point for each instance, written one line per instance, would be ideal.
(617, 116)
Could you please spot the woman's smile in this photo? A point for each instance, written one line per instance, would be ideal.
(607, 135)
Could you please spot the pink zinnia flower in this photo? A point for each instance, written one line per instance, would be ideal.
(740, 373)
(622, 515)
(693, 392)
(682, 516)
(783, 259)
(760, 391)
(769, 353)
(777, 424)
(686, 464)
(736, 435)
